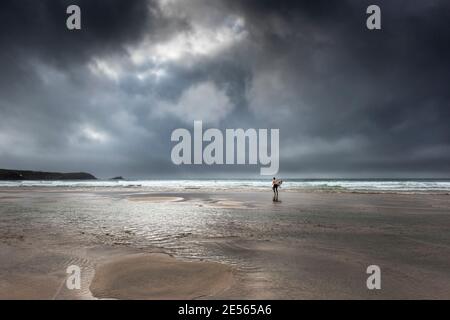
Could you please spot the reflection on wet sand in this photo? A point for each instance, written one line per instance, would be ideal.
(155, 199)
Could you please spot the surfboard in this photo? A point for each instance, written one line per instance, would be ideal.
(279, 182)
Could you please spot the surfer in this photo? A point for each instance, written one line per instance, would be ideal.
(275, 184)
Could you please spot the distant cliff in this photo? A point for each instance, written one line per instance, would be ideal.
(36, 175)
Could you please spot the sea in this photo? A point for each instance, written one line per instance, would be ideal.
(332, 185)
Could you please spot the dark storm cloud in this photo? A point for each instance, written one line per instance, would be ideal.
(46, 89)
(39, 27)
(385, 89)
(348, 101)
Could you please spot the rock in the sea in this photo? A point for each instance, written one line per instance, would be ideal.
(118, 178)
(37, 175)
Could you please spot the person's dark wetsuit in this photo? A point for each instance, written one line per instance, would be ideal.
(275, 187)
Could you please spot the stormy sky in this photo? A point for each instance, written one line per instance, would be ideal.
(349, 102)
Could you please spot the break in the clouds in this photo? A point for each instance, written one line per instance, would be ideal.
(348, 101)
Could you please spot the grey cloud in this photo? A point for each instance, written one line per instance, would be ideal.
(349, 102)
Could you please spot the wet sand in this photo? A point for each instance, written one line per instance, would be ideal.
(131, 244)
(159, 276)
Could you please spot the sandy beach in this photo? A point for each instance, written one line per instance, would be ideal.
(133, 244)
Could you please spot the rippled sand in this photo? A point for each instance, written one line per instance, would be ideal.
(226, 245)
